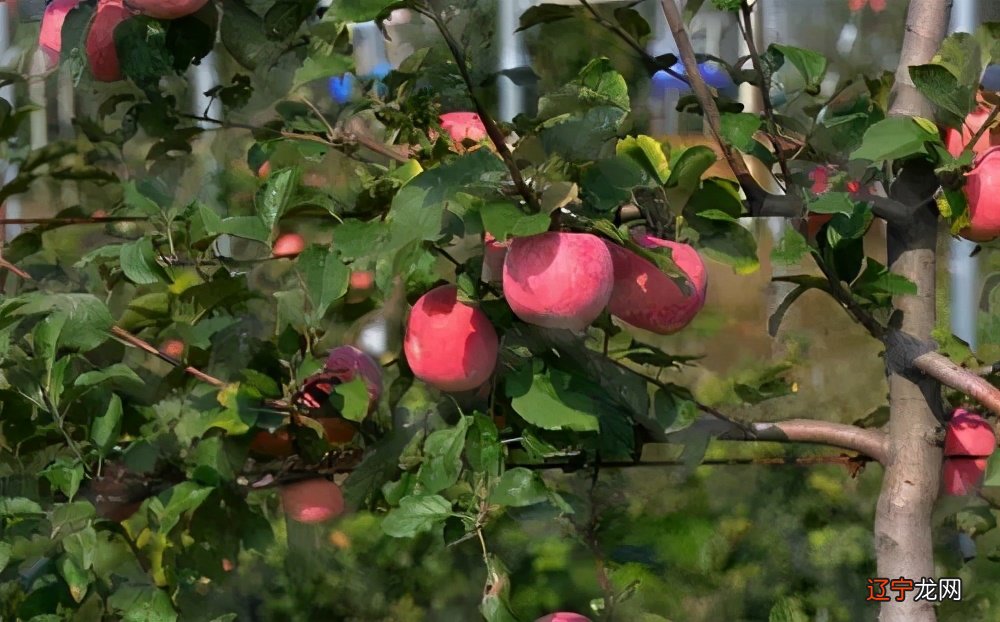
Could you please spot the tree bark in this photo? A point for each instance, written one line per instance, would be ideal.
(903, 535)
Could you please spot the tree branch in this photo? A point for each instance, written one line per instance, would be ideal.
(871, 443)
(950, 374)
(492, 129)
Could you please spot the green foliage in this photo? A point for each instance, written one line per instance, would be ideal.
(134, 473)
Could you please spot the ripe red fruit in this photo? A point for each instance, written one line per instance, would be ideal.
(982, 189)
(962, 476)
(558, 280)
(167, 9)
(463, 126)
(647, 298)
(955, 141)
(361, 285)
(100, 44)
(969, 435)
(50, 35)
(348, 362)
(288, 245)
(493, 258)
(227, 565)
(820, 176)
(278, 444)
(173, 348)
(265, 170)
(815, 222)
(312, 501)
(450, 345)
(563, 616)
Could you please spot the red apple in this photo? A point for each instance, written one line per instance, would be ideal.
(563, 616)
(463, 126)
(173, 348)
(100, 44)
(493, 258)
(982, 189)
(361, 285)
(288, 245)
(278, 444)
(815, 222)
(955, 141)
(969, 435)
(265, 170)
(962, 476)
(349, 362)
(50, 35)
(450, 345)
(167, 9)
(227, 565)
(647, 298)
(558, 280)
(312, 501)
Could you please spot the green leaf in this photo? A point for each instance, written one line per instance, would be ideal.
(878, 284)
(249, 227)
(992, 477)
(672, 412)
(285, 18)
(115, 371)
(243, 34)
(482, 446)
(316, 68)
(77, 579)
(648, 153)
(105, 429)
(4, 555)
(811, 65)
(442, 462)
(608, 183)
(324, 276)
(788, 609)
(790, 249)
(895, 138)
(358, 10)
(138, 262)
(505, 220)
(142, 603)
(600, 76)
(832, 203)
(87, 318)
(633, 23)
(139, 203)
(519, 487)
(175, 502)
(141, 43)
(416, 514)
(938, 85)
(65, 475)
(685, 176)
(774, 322)
(548, 401)
(354, 399)
(273, 198)
(82, 546)
(545, 14)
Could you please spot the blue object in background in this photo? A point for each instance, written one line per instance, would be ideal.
(713, 74)
(991, 78)
(342, 88)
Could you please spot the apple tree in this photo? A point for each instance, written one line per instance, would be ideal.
(388, 305)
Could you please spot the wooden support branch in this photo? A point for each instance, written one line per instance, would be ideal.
(950, 374)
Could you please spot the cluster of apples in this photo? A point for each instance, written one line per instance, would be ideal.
(100, 42)
(554, 280)
(318, 499)
(982, 184)
(968, 443)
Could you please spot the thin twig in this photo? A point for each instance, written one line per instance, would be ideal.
(492, 129)
(746, 27)
(985, 127)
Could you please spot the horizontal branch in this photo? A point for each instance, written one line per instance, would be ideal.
(950, 374)
(871, 443)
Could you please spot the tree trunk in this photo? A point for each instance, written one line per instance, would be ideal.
(903, 535)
